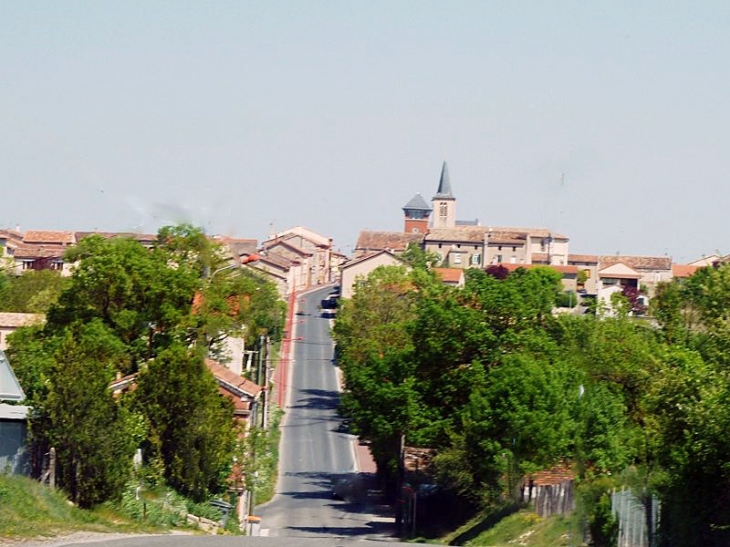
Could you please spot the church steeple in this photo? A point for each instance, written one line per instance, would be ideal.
(444, 202)
(444, 191)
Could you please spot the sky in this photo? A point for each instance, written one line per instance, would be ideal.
(608, 122)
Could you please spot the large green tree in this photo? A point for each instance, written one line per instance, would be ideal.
(191, 428)
(93, 434)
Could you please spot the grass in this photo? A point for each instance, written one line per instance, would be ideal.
(29, 509)
(501, 527)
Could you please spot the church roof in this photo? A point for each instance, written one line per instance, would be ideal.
(417, 203)
(444, 191)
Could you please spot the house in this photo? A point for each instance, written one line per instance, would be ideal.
(13, 422)
(588, 266)
(684, 271)
(370, 242)
(243, 393)
(319, 248)
(9, 322)
(44, 250)
(652, 270)
(457, 247)
(451, 276)
(360, 268)
(9, 242)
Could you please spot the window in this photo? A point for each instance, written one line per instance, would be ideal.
(443, 210)
(476, 259)
(513, 259)
(499, 259)
(457, 259)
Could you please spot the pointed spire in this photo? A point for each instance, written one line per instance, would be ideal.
(444, 191)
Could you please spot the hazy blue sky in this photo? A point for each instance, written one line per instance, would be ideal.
(240, 115)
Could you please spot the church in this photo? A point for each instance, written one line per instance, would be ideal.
(463, 244)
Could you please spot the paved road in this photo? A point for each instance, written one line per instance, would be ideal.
(314, 450)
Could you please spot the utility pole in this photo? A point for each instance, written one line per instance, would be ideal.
(265, 386)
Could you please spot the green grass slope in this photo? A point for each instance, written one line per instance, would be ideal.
(522, 528)
(29, 509)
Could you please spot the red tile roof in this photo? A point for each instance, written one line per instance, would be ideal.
(369, 241)
(583, 259)
(48, 250)
(232, 381)
(450, 275)
(637, 262)
(684, 270)
(459, 234)
(43, 236)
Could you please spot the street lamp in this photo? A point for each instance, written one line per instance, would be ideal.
(250, 258)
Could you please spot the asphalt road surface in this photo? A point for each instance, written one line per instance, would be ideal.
(316, 453)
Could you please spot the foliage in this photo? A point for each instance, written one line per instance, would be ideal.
(190, 426)
(129, 309)
(566, 299)
(93, 435)
(31, 292)
(133, 291)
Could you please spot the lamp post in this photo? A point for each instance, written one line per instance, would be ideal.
(250, 258)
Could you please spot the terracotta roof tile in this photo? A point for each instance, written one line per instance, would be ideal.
(44, 236)
(471, 234)
(381, 241)
(450, 275)
(232, 380)
(637, 262)
(684, 270)
(533, 232)
(48, 250)
(584, 259)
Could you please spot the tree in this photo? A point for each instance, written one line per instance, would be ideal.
(93, 434)
(191, 428)
(136, 293)
(32, 292)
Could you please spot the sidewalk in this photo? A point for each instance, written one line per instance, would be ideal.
(363, 458)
